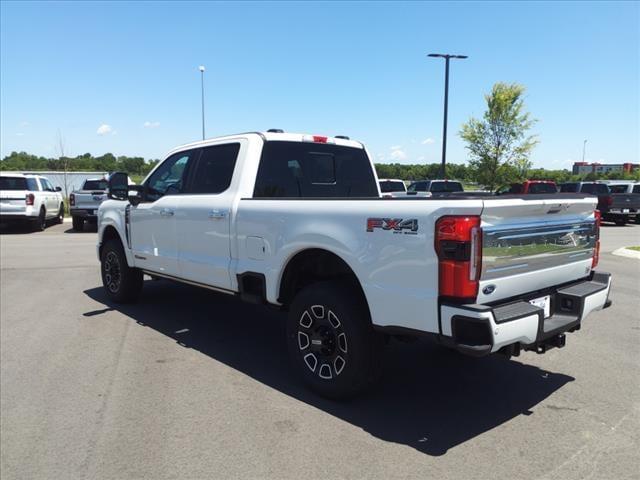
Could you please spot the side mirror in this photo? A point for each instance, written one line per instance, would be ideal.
(135, 194)
(118, 186)
(58, 189)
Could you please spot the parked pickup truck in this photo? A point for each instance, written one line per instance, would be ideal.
(529, 187)
(615, 208)
(296, 221)
(84, 203)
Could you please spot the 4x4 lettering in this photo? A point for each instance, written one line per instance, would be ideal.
(395, 224)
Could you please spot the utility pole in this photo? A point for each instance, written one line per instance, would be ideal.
(201, 68)
(584, 148)
(446, 57)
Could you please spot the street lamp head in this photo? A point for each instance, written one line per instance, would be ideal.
(201, 68)
(446, 55)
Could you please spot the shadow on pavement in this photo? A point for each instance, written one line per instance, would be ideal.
(428, 398)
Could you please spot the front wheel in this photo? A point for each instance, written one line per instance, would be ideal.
(331, 341)
(121, 282)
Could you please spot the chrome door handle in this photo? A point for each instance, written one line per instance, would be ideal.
(166, 212)
(216, 214)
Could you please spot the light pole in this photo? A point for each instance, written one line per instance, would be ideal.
(201, 68)
(446, 57)
(584, 148)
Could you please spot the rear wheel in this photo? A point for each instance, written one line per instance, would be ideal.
(60, 217)
(78, 223)
(41, 222)
(121, 282)
(331, 341)
(621, 221)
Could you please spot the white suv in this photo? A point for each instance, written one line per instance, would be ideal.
(29, 198)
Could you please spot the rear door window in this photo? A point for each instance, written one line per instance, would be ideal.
(32, 185)
(308, 170)
(636, 189)
(214, 169)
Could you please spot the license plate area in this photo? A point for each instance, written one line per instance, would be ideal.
(544, 303)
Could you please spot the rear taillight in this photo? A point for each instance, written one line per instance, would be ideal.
(458, 243)
(72, 200)
(30, 198)
(596, 248)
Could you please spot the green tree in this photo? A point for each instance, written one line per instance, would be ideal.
(498, 144)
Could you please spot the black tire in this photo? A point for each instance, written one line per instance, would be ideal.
(122, 283)
(621, 222)
(60, 217)
(329, 329)
(41, 222)
(78, 223)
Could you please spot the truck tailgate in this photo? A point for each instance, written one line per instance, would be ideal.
(89, 200)
(13, 201)
(535, 243)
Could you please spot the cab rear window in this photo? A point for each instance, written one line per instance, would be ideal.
(388, 186)
(595, 188)
(437, 187)
(542, 188)
(309, 170)
(96, 185)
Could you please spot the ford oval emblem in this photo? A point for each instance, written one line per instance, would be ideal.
(489, 289)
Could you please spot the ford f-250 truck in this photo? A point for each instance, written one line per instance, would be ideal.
(297, 221)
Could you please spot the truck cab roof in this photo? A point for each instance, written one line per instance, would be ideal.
(275, 136)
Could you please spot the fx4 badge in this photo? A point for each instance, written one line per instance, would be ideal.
(398, 225)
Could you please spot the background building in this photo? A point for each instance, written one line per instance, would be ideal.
(583, 168)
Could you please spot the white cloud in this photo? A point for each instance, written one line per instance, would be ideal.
(19, 134)
(104, 129)
(428, 141)
(395, 147)
(23, 124)
(420, 158)
(151, 124)
(398, 154)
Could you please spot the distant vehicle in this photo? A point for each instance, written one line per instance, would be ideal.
(29, 199)
(84, 203)
(389, 187)
(618, 207)
(529, 187)
(434, 187)
(618, 186)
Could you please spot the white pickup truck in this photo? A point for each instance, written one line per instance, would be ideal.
(297, 221)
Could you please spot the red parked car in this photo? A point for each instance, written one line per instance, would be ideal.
(529, 187)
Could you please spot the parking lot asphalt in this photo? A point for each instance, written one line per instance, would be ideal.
(192, 384)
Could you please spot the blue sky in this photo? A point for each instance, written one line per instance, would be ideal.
(130, 72)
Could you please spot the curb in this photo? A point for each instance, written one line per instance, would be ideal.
(626, 252)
